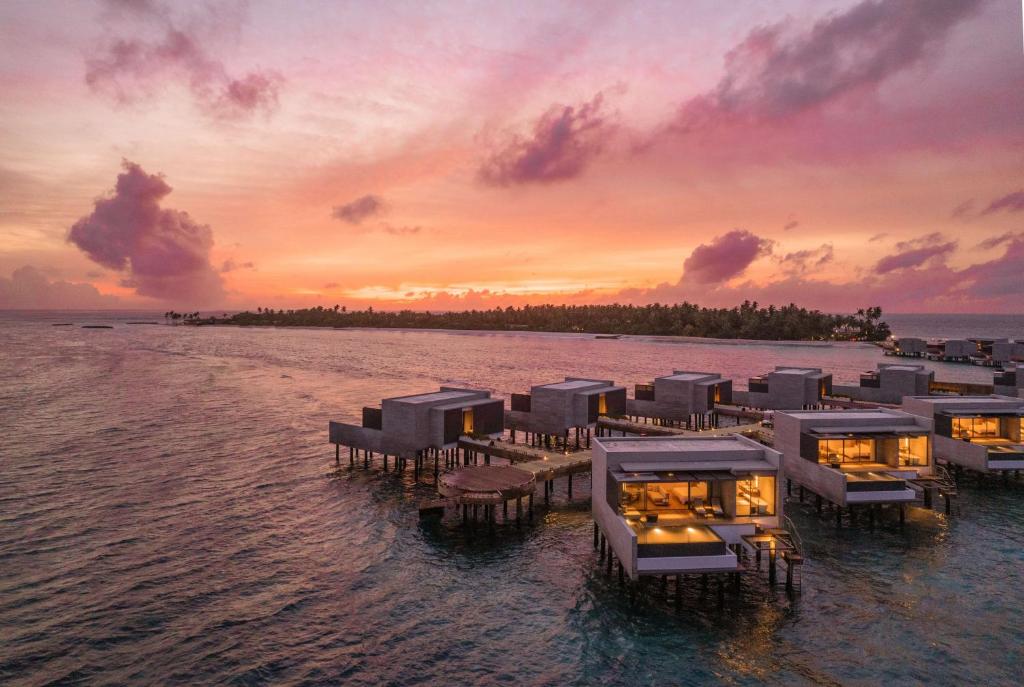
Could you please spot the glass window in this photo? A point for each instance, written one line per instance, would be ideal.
(913, 451)
(632, 497)
(467, 421)
(975, 427)
(602, 405)
(851, 450)
(755, 496)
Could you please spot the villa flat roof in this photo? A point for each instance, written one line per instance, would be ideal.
(796, 371)
(689, 376)
(902, 368)
(434, 397)
(681, 445)
(574, 384)
(468, 402)
(848, 414)
(965, 402)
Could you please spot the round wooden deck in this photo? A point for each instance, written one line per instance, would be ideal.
(486, 484)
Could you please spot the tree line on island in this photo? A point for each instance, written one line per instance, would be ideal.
(746, 321)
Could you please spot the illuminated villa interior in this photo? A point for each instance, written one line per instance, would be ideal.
(856, 456)
(683, 504)
(982, 433)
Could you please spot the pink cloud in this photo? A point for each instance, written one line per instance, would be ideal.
(28, 288)
(163, 253)
(727, 256)
(127, 69)
(808, 260)
(915, 253)
(564, 141)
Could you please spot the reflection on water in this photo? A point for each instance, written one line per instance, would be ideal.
(171, 513)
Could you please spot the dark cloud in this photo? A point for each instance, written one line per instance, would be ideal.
(1011, 202)
(995, 241)
(1001, 278)
(359, 209)
(564, 141)
(792, 224)
(963, 210)
(915, 253)
(400, 230)
(128, 69)
(877, 237)
(28, 288)
(331, 285)
(727, 256)
(809, 260)
(774, 74)
(230, 266)
(163, 253)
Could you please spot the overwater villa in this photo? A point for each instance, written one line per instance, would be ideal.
(852, 457)
(411, 426)
(679, 505)
(680, 397)
(552, 411)
(786, 388)
(980, 433)
(1007, 351)
(889, 384)
(955, 350)
(1009, 381)
(911, 347)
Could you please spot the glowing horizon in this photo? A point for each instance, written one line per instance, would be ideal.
(832, 154)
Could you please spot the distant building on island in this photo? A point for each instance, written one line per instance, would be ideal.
(786, 388)
(889, 384)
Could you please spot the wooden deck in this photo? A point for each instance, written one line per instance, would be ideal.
(486, 484)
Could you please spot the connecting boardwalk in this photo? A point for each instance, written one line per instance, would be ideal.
(645, 430)
(544, 465)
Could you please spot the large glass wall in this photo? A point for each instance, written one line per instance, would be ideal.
(644, 497)
(913, 451)
(847, 450)
(975, 427)
(755, 496)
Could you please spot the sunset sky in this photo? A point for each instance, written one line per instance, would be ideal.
(458, 155)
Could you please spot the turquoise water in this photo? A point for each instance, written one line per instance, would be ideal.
(170, 513)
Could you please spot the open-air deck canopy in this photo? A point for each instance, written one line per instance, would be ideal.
(707, 470)
(867, 432)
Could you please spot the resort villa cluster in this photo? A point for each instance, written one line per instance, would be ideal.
(691, 476)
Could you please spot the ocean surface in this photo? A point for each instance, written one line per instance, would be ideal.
(170, 513)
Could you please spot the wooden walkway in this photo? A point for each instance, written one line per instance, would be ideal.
(648, 430)
(543, 464)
